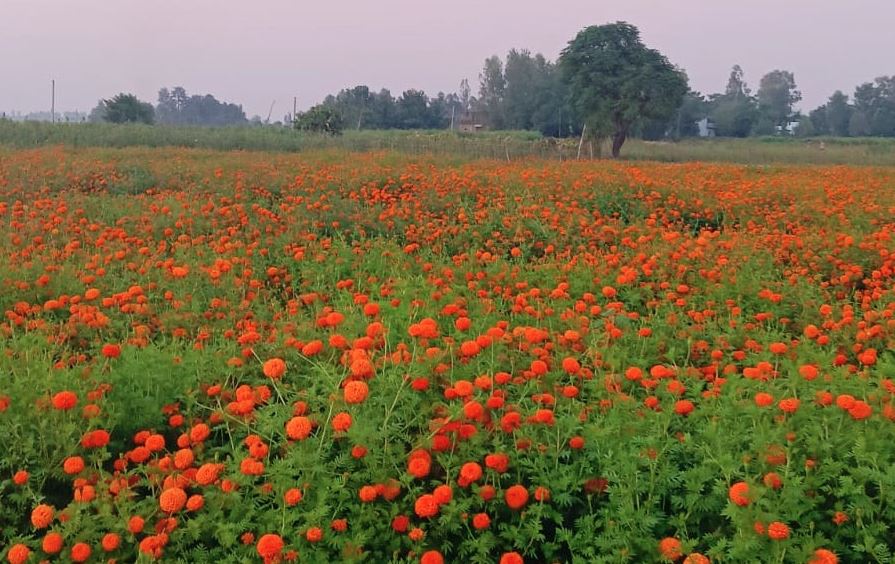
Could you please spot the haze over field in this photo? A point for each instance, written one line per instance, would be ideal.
(254, 53)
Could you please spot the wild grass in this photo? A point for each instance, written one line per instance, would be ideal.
(499, 145)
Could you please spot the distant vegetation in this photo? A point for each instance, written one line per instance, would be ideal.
(501, 145)
(586, 94)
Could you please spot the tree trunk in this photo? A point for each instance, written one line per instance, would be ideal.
(618, 139)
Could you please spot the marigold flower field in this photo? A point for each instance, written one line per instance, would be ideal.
(335, 357)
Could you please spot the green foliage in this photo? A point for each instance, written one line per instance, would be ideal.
(175, 106)
(777, 94)
(320, 119)
(126, 108)
(614, 80)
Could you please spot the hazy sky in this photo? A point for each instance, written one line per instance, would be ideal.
(254, 52)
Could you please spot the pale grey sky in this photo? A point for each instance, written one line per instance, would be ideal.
(254, 52)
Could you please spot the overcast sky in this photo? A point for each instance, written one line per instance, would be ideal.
(255, 52)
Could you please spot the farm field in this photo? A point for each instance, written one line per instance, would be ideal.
(333, 356)
(451, 145)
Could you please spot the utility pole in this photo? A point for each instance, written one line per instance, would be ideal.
(294, 107)
(53, 101)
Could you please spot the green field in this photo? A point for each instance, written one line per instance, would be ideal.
(501, 145)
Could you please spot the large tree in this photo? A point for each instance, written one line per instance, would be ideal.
(126, 108)
(492, 84)
(838, 114)
(777, 94)
(175, 106)
(614, 81)
(734, 112)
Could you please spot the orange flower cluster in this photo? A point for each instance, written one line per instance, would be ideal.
(262, 354)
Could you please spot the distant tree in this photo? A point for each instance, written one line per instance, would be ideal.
(320, 119)
(98, 113)
(805, 127)
(838, 114)
(466, 98)
(384, 110)
(736, 84)
(777, 94)
(819, 123)
(685, 123)
(439, 114)
(735, 112)
(492, 85)
(874, 108)
(126, 108)
(882, 115)
(413, 110)
(614, 81)
(354, 106)
(177, 107)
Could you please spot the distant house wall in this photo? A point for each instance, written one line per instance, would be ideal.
(706, 127)
(472, 121)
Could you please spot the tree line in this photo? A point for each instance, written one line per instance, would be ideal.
(606, 84)
(174, 107)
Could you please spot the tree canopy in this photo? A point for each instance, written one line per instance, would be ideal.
(176, 107)
(124, 108)
(614, 81)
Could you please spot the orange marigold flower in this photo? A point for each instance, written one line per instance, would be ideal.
(511, 558)
(824, 556)
(207, 474)
(683, 407)
(778, 530)
(355, 391)
(199, 432)
(789, 405)
(274, 368)
(431, 557)
(469, 473)
(52, 543)
(443, 494)
(80, 552)
(808, 371)
(18, 554)
(292, 496)
(172, 500)
(42, 516)
(339, 525)
(135, 524)
(269, 546)
(516, 497)
(341, 422)
(773, 480)
(481, 521)
(195, 502)
(73, 465)
(111, 351)
(763, 399)
(20, 478)
(860, 410)
(426, 506)
(298, 428)
(111, 542)
(367, 494)
(670, 548)
(696, 558)
(65, 400)
(739, 494)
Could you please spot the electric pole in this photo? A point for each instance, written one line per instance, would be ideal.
(53, 100)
